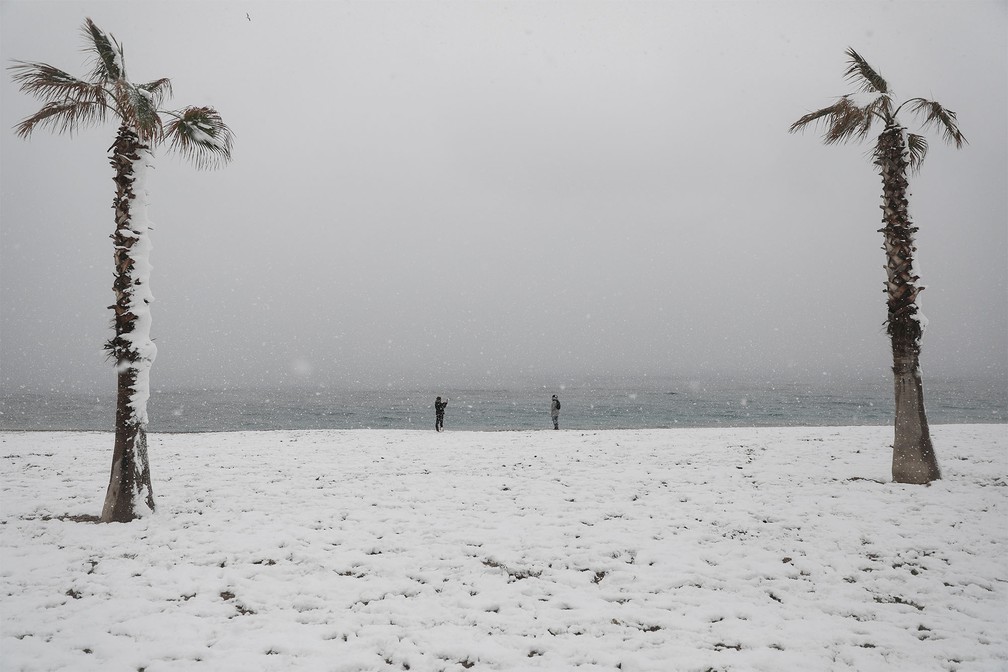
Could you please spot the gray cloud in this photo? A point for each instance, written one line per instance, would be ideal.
(487, 193)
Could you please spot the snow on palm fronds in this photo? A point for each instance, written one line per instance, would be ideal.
(199, 134)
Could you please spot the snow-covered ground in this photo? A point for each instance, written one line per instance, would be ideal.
(742, 549)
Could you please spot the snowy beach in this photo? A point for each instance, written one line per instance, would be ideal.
(693, 549)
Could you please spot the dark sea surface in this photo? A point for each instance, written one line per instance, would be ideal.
(656, 405)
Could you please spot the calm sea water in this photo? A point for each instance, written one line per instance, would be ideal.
(682, 404)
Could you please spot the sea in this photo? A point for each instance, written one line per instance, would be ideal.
(665, 404)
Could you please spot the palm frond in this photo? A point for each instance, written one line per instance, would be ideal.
(64, 116)
(108, 53)
(917, 147)
(850, 122)
(159, 90)
(139, 109)
(881, 107)
(813, 117)
(49, 83)
(936, 115)
(866, 77)
(199, 134)
(843, 120)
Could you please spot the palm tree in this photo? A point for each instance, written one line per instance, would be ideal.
(895, 151)
(199, 134)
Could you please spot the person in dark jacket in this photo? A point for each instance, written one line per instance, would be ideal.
(555, 412)
(439, 407)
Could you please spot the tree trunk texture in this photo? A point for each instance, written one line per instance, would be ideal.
(914, 459)
(130, 479)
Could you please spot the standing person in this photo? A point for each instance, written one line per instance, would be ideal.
(439, 407)
(555, 412)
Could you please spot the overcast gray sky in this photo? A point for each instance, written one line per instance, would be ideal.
(448, 193)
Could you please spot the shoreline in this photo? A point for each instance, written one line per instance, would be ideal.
(546, 430)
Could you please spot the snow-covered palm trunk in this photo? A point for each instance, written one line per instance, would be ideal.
(129, 492)
(914, 459)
